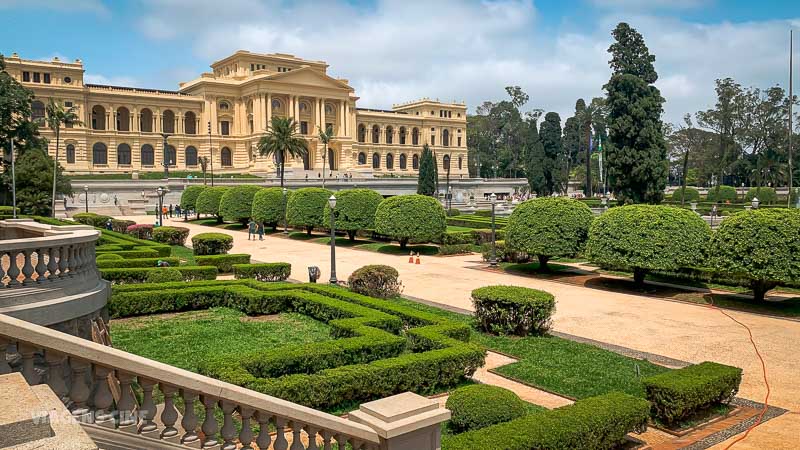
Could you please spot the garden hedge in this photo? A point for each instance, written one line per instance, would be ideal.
(355, 210)
(765, 195)
(722, 194)
(7, 210)
(513, 310)
(263, 271)
(208, 201)
(692, 195)
(481, 405)
(414, 217)
(140, 274)
(269, 206)
(476, 221)
(211, 243)
(95, 220)
(594, 423)
(305, 207)
(370, 359)
(109, 257)
(165, 275)
(761, 245)
(171, 235)
(456, 249)
(137, 252)
(679, 394)
(224, 263)
(189, 197)
(131, 243)
(375, 280)
(117, 262)
(236, 204)
(142, 231)
(121, 226)
(548, 227)
(648, 237)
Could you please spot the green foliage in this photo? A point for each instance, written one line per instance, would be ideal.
(91, 219)
(375, 281)
(269, 206)
(477, 221)
(681, 393)
(426, 182)
(142, 231)
(125, 275)
(132, 245)
(208, 201)
(482, 405)
(263, 271)
(224, 263)
(503, 253)
(723, 194)
(114, 261)
(549, 226)
(761, 245)
(306, 206)
(136, 252)
(283, 140)
(692, 195)
(765, 195)
(189, 197)
(236, 204)
(171, 235)
(121, 226)
(211, 243)
(7, 210)
(456, 249)
(165, 275)
(593, 423)
(34, 176)
(458, 238)
(410, 217)
(550, 134)
(355, 210)
(513, 310)
(109, 257)
(648, 237)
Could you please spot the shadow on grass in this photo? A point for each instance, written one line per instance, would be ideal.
(532, 268)
(394, 249)
(342, 242)
(302, 236)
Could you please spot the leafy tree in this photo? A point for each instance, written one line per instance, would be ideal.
(58, 115)
(305, 207)
(426, 183)
(535, 159)
(410, 217)
(325, 137)
(637, 158)
(189, 198)
(203, 160)
(283, 141)
(550, 135)
(208, 201)
(236, 204)
(355, 210)
(34, 175)
(269, 206)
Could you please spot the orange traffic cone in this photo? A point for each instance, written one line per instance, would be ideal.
(411, 257)
(417, 262)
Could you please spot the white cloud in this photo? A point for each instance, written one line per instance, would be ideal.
(651, 4)
(94, 78)
(93, 6)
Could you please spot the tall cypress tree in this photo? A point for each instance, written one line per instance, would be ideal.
(637, 159)
(535, 159)
(426, 183)
(550, 134)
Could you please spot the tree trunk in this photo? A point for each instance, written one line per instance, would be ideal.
(282, 166)
(639, 274)
(403, 243)
(685, 168)
(760, 288)
(543, 267)
(351, 234)
(309, 230)
(219, 219)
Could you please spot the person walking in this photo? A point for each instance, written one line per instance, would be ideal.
(260, 231)
(251, 229)
(170, 210)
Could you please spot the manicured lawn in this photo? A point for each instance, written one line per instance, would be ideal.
(184, 253)
(185, 339)
(781, 308)
(302, 236)
(455, 229)
(342, 241)
(394, 249)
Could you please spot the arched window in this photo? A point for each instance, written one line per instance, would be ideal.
(362, 133)
(70, 154)
(403, 161)
(330, 110)
(376, 132)
(389, 135)
(402, 136)
(146, 120)
(99, 154)
(277, 106)
(415, 162)
(446, 162)
(331, 159)
(390, 161)
(123, 119)
(98, 118)
(224, 106)
(362, 158)
(148, 155)
(306, 161)
(190, 123)
(37, 112)
(124, 155)
(226, 157)
(190, 155)
(460, 162)
(168, 122)
(415, 136)
(171, 155)
(376, 161)
(446, 138)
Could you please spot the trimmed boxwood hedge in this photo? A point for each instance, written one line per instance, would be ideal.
(481, 405)
(109, 257)
(236, 204)
(208, 201)
(189, 197)
(171, 235)
(722, 194)
(355, 210)
(95, 220)
(121, 226)
(269, 206)
(414, 217)
(594, 423)
(513, 310)
(128, 242)
(118, 262)
(692, 195)
(679, 394)
(211, 243)
(224, 263)
(765, 195)
(305, 207)
(137, 252)
(279, 271)
(371, 359)
(140, 274)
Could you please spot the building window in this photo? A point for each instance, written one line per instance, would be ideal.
(70, 154)
(433, 139)
(47, 78)
(225, 128)
(331, 159)
(124, 155)
(190, 123)
(402, 136)
(146, 121)
(460, 161)
(68, 104)
(362, 133)
(224, 106)
(191, 156)
(168, 122)
(276, 104)
(446, 138)
(390, 161)
(415, 162)
(99, 154)
(376, 132)
(403, 161)
(37, 112)
(226, 157)
(148, 155)
(26, 76)
(98, 118)
(171, 155)
(446, 162)
(37, 77)
(459, 141)
(389, 135)
(376, 161)
(362, 159)
(303, 127)
(415, 137)
(329, 128)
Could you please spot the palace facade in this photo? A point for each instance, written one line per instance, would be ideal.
(222, 115)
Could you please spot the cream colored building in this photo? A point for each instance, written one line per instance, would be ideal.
(223, 114)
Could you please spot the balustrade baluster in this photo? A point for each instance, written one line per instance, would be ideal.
(326, 440)
(4, 367)
(13, 268)
(27, 352)
(312, 438)
(210, 425)
(103, 400)
(170, 414)
(63, 260)
(78, 255)
(280, 435)
(297, 443)
(128, 419)
(41, 267)
(246, 435)
(79, 391)
(55, 373)
(27, 268)
(52, 265)
(3, 270)
(148, 409)
(71, 261)
(340, 441)
(189, 421)
(228, 431)
(264, 439)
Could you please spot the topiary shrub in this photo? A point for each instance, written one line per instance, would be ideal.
(121, 226)
(765, 195)
(692, 195)
(263, 271)
(189, 198)
(761, 245)
(548, 227)
(642, 238)
(375, 281)
(140, 230)
(236, 204)
(355, 210)
(164, 275)
(455, 249)
(208, 201)
(223, 263)
(108, 257)
(171, 235)
(92, 219)
(722, 194)
(513, 310)
(211, 243)
(268, 206)
(410, 217)
(306, 206)
(481, 405)
(7, 210)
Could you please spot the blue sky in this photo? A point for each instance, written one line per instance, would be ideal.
(393, 50)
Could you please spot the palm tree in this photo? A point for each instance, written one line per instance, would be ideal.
(282, 140)
(57, 115)
(325, 137)
(203, 160)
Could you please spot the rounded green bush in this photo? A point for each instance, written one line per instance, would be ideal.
(722, 194)
(375, 281)
(236, 204)
(92, 219)
(190, 195)
(171, 235)
(212, 243)
(108, 256)
(765, 195)
(648, 237)
(692, 195)
(481, 405)
(164, 275)
(305, 207)
(120, 225)
(549, 226)
(355, 210)
(269, 206)
(411, 217)
(513, 310)
(762, 245)
(208, 201)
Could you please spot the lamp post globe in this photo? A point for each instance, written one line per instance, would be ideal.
(493, 259)
(755, 202)
(332, 204)
(86, 196)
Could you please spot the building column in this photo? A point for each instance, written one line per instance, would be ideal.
(269, 109)
(340, 125)
(322, 114)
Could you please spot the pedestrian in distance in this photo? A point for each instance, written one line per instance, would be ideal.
(251, 229)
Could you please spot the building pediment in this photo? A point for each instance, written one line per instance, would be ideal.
(309, 77)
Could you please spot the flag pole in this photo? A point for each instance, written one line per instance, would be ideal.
(13, 183)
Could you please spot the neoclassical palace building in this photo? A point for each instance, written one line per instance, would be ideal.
(223, 114)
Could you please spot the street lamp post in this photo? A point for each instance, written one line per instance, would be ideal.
(285, 207)
(86, 196)
(159, 213)
(211, 152)
(166, 159)
(493, 259)
(14, 184)
(332, 204)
